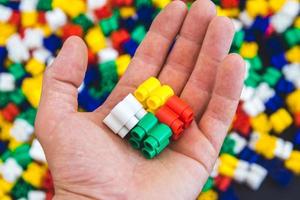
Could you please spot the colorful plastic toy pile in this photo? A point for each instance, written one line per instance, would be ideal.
(267, 36)
(150, 132)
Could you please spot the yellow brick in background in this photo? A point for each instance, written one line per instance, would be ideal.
(297, 22)
(261, 123)
(293, 102)
(122, 63)
(161, 3)
(208, 195)
(32, 89)
(70, 7)
(34, 67)
(280, 120)
(293, 54)
(127, 12)
(266, 145)
(95, 39)
(276, 5)
(257, 7)
(5, 186)
(293, 162)
(249, 49)
(6, 30)
(29, 18)
(34, 174)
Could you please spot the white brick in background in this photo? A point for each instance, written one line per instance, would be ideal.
(36, 151)
(107, 54)
(254, 137)
(264, 92)
(237, 24)
(256, 176)
(5, 13)
(33, 38)
(240, 142)
(21, 130)
(291, 73)
(10, 170)
(41, 55)
(254, 106)
(56, 18)
(7, 82)
(283, 149)
(17, 51)
(247, 93)
(245, 19)
(286, 15)
(28, 5)
(241, 171)
(36, 195)
(94, 4)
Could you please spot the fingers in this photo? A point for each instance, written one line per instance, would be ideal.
(152, 52)
(60, 83)
(225, 97)
(215, 47)
(183, 56)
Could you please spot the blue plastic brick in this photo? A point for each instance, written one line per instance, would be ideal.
(274, 103)
(130, 47)
(297, 137)
(278, 61)
(281, 176)
(285, 86)
(260, 24)
(52, 43)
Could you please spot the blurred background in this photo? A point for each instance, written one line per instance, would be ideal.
(260, 158)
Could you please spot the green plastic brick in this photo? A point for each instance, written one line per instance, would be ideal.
(21, 189)
(238, 39)
(292, 36)
(44, 5)
(208, 185)
(83, 21)
(157, 140)
(138, 34)
(272, 76)
(140, 3)
(17, 97)
(21, 155)
(17, 70)
(144, 126)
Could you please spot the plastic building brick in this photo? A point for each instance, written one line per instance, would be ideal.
(158, 139)
(124, 116)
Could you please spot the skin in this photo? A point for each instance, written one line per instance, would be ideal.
(88, 161)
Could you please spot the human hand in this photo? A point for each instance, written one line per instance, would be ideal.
(88, 161)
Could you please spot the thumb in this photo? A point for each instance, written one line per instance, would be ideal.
(60, 83)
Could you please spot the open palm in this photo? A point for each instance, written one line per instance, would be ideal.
(88, 161)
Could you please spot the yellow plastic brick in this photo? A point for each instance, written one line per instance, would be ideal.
(6, 31)
(127, 12)
(71, 7)
(159, 96)
(257, 7)
(34, 67)
(146, 88)
(293, 162)
(293, 54)
(249, 49)
(29, 19)
(95, 39)
(34, 174)
(32, 89)
(122, 63)
(293, 102)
